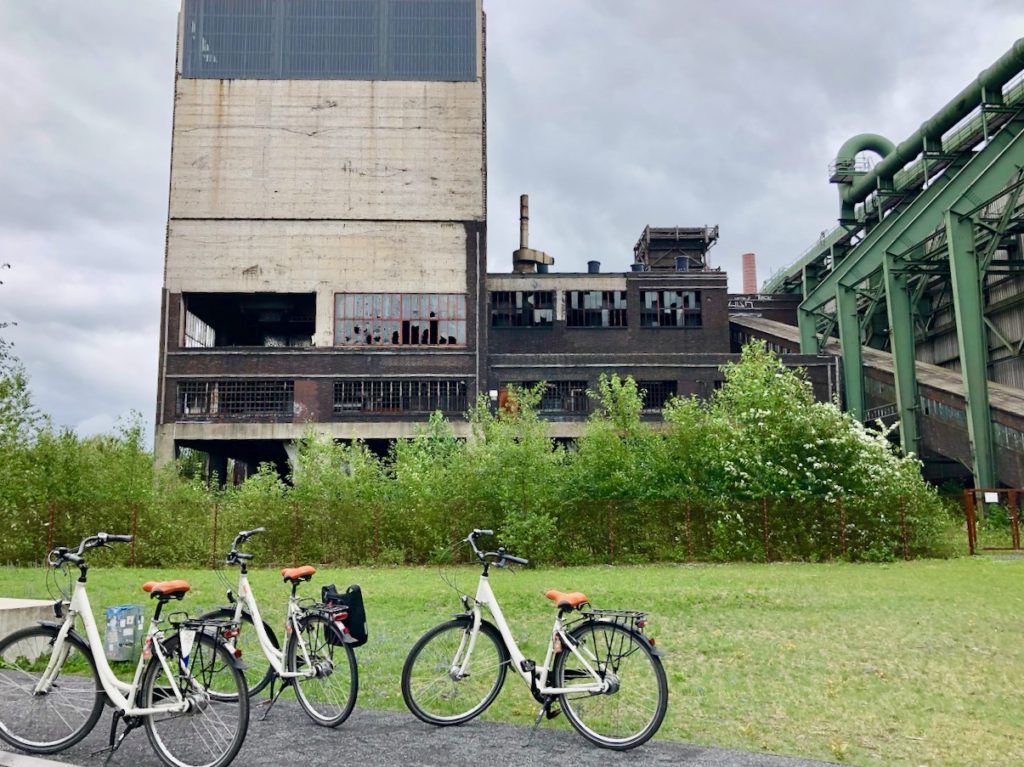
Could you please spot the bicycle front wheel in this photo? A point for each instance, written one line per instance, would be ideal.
(444, 683)
(258, 671)
(211, 731)
(634, 705)
(49, 718)
(328, 680)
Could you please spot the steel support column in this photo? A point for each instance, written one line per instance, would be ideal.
(901, 343)
(808, 332)
(849, 336)
(973, 341)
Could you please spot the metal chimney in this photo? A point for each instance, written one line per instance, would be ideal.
(526, 260)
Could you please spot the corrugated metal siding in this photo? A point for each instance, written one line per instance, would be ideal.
(331, 39)
(1008, 371)
(1008, 289)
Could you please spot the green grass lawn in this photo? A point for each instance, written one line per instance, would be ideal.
(917, 663)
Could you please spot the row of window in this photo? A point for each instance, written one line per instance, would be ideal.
(418, 319)
(276, 398)
(595, 308)
(235, 398)
(400, 319)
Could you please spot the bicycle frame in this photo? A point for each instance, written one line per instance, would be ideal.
(274, 655)
(121, 694)
(485, 597)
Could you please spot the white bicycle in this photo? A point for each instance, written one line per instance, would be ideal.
(185, 691)
(317, 660)
(606, 674)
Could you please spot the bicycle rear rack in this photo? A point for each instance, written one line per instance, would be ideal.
(635, 620)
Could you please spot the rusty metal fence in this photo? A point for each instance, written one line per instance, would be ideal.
(993, 519)
(587, 531)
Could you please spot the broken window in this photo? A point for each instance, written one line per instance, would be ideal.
(214, 320)
(559, 396)
(400, 396)
(595, 309)
(670, 309)
(400, 319)
(522, 309)
(235, 398)
(656, 394)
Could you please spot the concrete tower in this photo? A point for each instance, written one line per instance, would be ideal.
(326, 236)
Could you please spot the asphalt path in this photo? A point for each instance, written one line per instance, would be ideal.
(378, 738)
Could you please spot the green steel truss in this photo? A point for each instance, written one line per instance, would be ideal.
(919, 232)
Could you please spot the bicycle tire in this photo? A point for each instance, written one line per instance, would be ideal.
(24, 715)
(429, 664)
(327, 698)
(256, 677)
(212, 731)
(611, 719)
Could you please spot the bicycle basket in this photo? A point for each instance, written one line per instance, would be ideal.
(352, 601)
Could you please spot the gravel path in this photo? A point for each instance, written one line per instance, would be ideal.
(379, 738)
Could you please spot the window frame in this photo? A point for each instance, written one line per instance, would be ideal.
(687, 314)
(388, 315)
(612, 309)
(518, 312)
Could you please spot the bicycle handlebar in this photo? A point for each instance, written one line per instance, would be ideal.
(64, 554)
(234, 555)
(499, 557)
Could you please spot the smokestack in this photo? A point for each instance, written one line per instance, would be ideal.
(526, 260)
(524, 221)
(749, 273)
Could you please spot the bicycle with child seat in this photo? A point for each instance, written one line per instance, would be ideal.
(185, 690)
(604, 672)
(317, 660)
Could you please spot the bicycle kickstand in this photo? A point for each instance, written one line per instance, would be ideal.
(130, 723)
(546, 712)
(269, 703)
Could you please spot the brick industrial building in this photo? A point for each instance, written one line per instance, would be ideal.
(326, 253)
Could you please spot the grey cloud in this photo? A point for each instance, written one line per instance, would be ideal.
(611, 114)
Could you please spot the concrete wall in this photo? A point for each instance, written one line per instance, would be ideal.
(341, 149)
(325, 257)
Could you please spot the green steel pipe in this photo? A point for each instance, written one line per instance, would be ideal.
(997, 75)
(846, 159)
(864, 142)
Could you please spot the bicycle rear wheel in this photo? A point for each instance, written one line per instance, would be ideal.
(211, 731)
(432, 687)
(47, 721)
(328, 694)
(632, 709)
(258, 671)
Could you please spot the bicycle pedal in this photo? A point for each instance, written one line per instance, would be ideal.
(551, 713)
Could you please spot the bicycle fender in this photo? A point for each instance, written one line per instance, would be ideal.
(237, 662)
(73, 635)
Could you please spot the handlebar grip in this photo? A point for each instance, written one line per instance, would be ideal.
(478, 531)
(517, 560)
(119, 539)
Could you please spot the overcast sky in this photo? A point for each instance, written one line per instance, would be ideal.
(610, 114)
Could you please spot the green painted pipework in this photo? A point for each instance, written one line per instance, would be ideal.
(990, 81)
(865, 142)
(846, 159)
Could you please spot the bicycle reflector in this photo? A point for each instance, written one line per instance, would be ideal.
(230, 633)
(339, 617)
